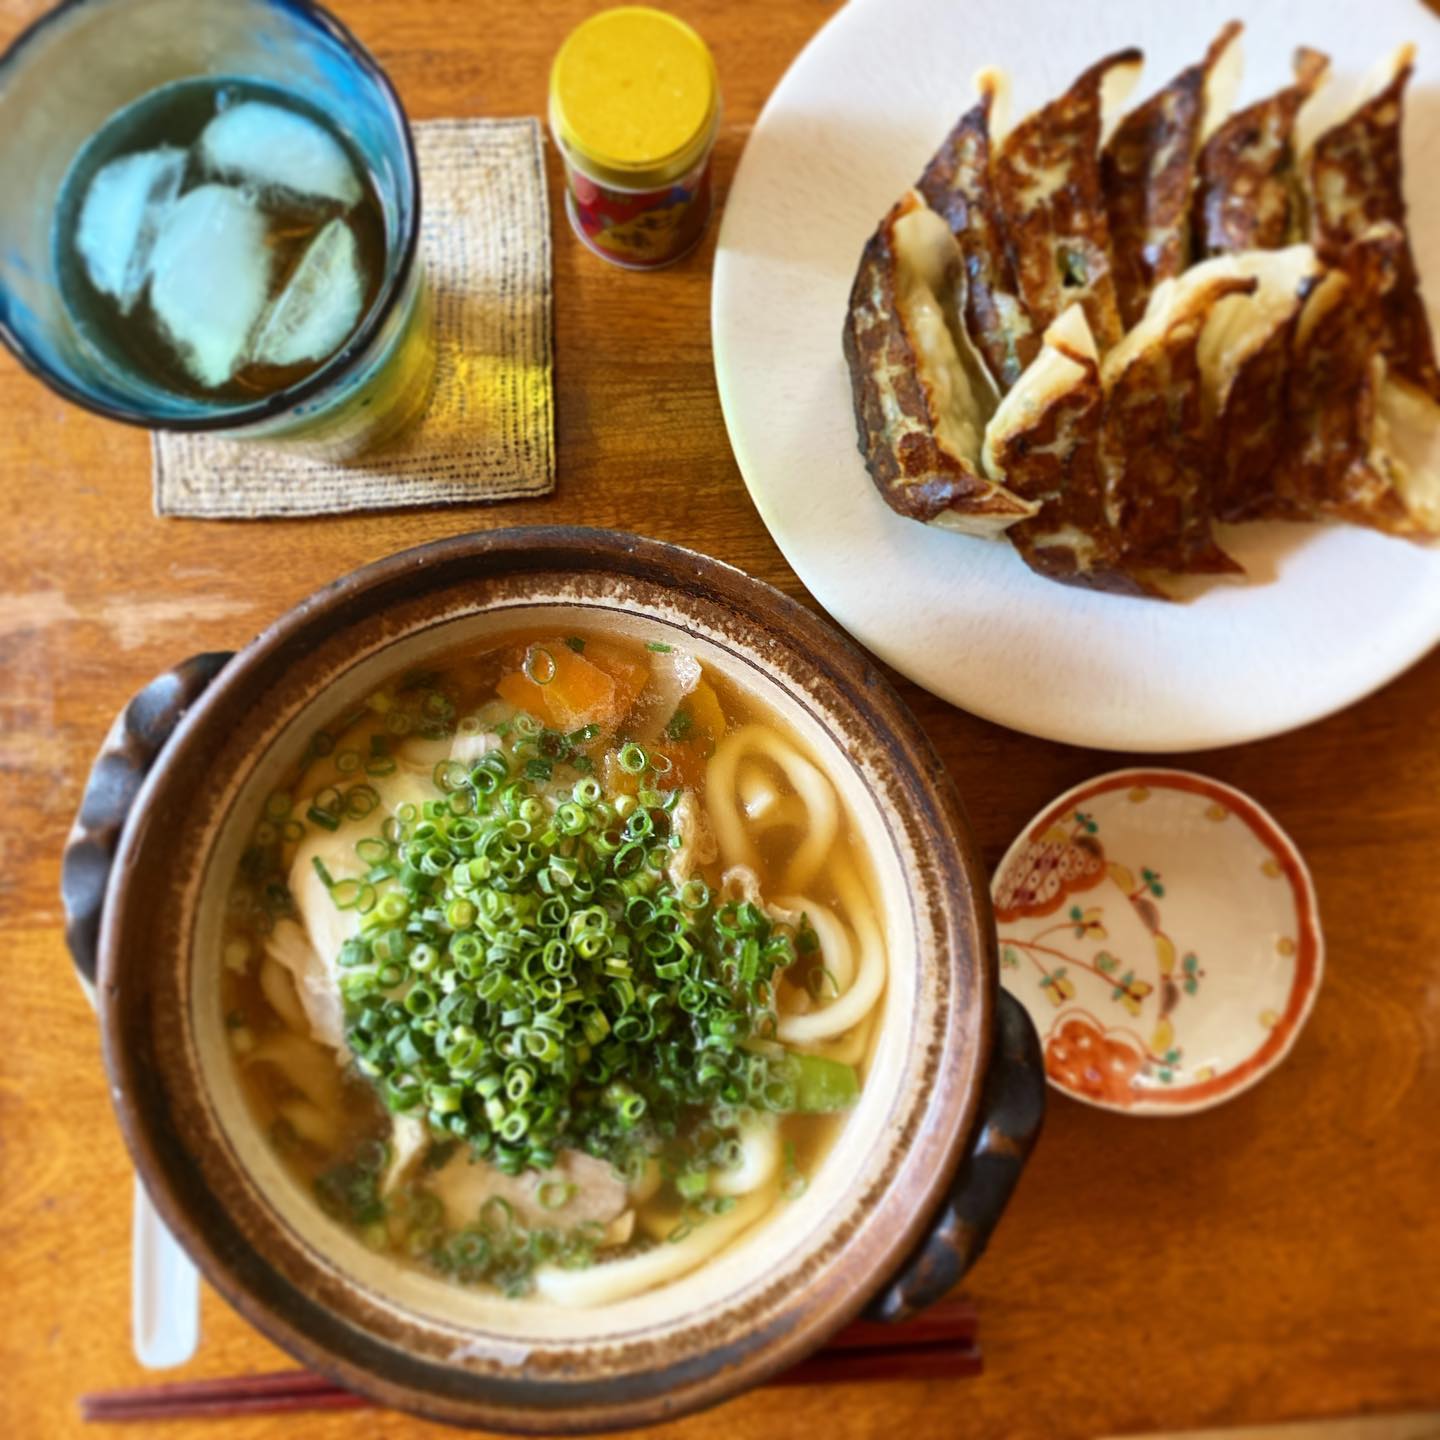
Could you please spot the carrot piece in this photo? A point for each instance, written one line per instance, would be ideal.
(628, 669)
(525, 694)
(629, 672)
(705, 713)
(618, 781)
(577, 693)
(688, 760)
(580, 693)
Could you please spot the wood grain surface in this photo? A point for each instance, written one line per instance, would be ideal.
(1277, 1258)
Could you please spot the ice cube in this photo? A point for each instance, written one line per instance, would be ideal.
(268, 146)
(210, 277)
(320, 305)
(121, 216)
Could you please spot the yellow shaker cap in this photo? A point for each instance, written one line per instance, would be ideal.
(634, 97)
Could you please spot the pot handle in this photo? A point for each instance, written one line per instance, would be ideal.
(135, 741)
(1011, 1110)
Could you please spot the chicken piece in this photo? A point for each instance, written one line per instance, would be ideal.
(409, 1140)
(422, 756)
(592, 1191)
(316, 982)
(311, 949)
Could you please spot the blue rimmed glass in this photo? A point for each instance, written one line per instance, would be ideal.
(66, 75)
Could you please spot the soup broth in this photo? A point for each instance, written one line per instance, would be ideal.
(553, 967)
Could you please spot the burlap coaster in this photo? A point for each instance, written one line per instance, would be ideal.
(489, 431)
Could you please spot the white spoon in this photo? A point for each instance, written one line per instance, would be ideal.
(164, 1284)
(164, 1291)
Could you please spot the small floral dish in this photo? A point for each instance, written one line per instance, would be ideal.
(1161, 930)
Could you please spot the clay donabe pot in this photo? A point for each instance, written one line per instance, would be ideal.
(891, 1219)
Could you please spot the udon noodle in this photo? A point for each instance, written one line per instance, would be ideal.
(555, 968)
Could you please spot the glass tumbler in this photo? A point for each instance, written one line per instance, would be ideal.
(72, 70)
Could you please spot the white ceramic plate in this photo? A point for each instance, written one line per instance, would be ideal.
(1328, 614)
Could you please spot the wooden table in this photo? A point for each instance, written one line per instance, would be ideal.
(1278, 1257)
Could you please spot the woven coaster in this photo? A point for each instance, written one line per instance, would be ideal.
(489, 431)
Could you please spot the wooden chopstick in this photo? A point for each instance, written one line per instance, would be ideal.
(939, 1344)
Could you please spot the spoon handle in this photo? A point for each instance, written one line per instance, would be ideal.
(164, 1291)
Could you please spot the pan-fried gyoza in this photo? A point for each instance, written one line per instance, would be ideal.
(1247, 192)
(1354, 175)
(957, 185)
(1148, 173)
(922, 392)
(1146, 324)
(1047, 181)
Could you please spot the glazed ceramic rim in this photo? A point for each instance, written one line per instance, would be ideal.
(1309, 959)
(858, 1253)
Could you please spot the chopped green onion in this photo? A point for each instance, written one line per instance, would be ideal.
(450, 775)
(816, 981)
(632, 758)
(352, 894)
(818, 1085)
(360, 800)
(555, 1194)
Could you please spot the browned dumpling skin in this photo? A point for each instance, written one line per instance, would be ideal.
(1247, 186)
(920, 391)
(1147, 171)
(957, 185)
(1245, 366)
(1047, 185)
(1249, 434)
(1355, 177)
(1333, 384)
(1044, 442)
(1154, 453)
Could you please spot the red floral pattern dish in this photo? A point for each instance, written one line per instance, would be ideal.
(1162, 931)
